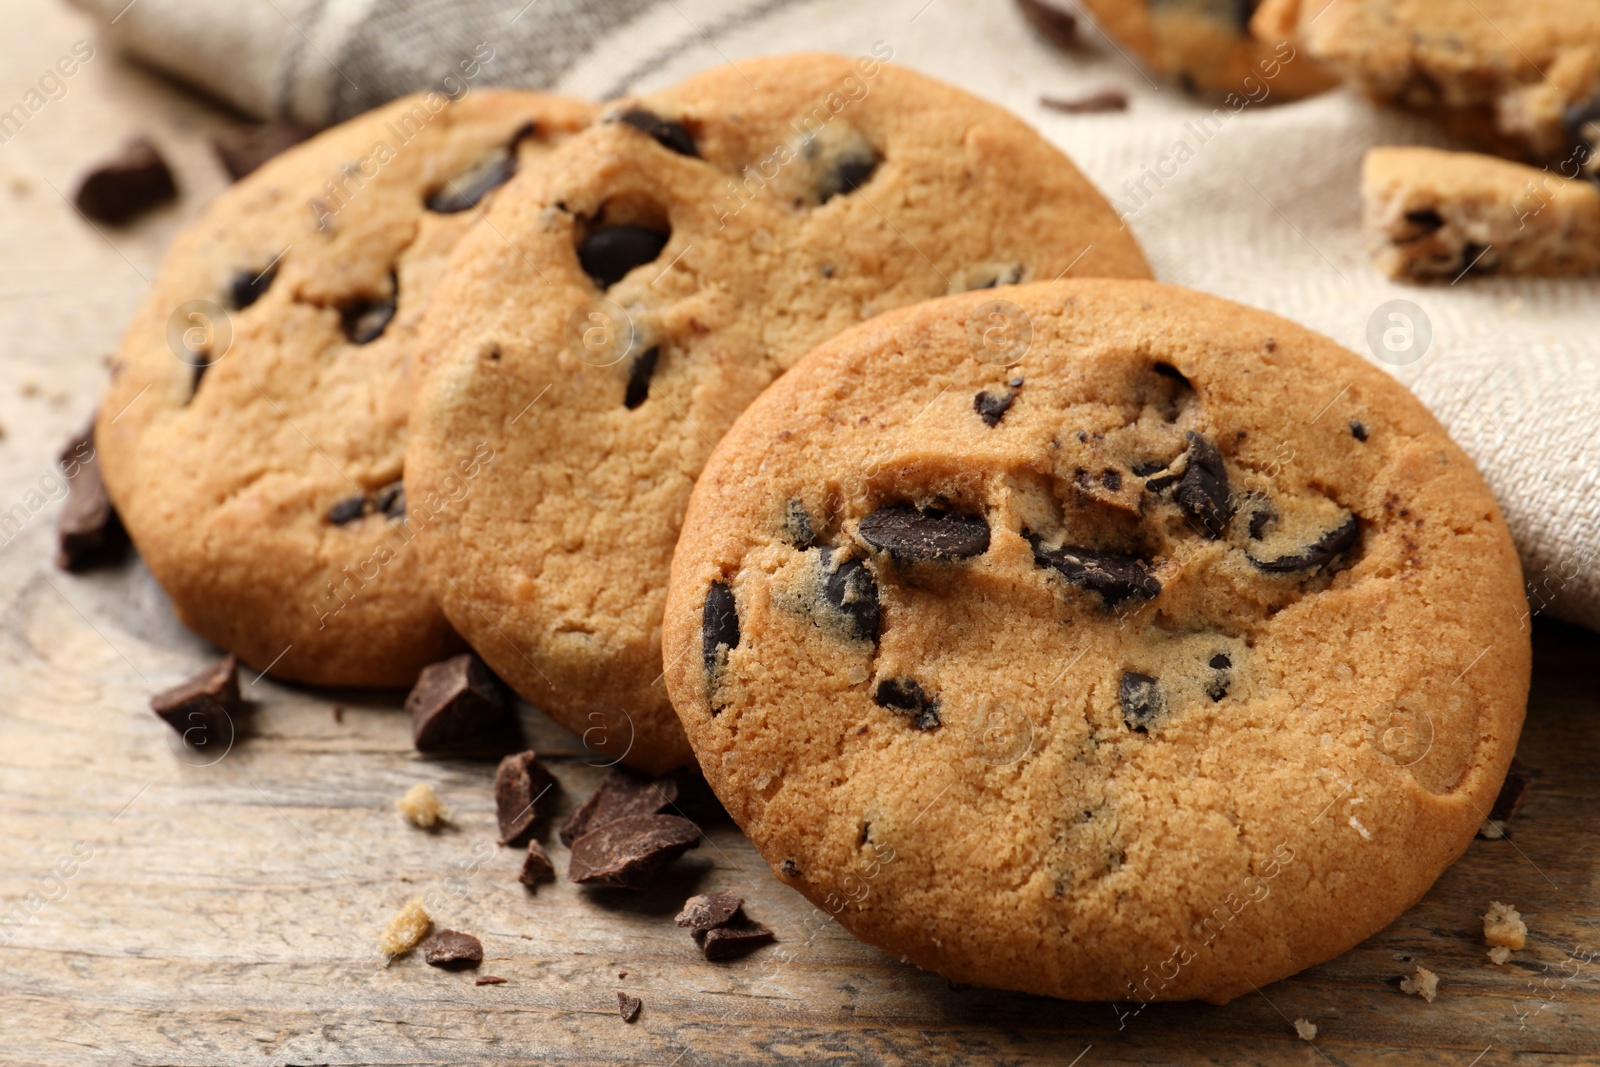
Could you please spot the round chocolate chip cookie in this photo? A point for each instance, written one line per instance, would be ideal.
(1105, 641)
(255, 426)
(623, 304)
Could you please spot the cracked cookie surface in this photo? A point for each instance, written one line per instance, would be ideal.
(623, 305)
(1193, 669)
(254, 431)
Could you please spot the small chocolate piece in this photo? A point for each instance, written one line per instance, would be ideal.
(1114, 576)
(1262, 518)
(1427, 220)
(1203, 489)
(992, 406)
(608, 255)
(536, 867)
(851, 591)
(203, 708)
(1106, 100)
(797, 525)
(639, 374)
(365, 320)
(490, 979)
(622, 793)
(349, 510)
(734, 939)
(628, 1007)
(709, 910)
(1111, 478)
(519, 783)
(1140, 696)
(906, 695)
(1217, 687)
(1319, 554)
(789, 869)
(849, 173)
(452, 700)
(247, 287)
(912, 536)
(719, 626)
(245, 148)
(629, 852)
(452, 950)
(667, 133)
(466, 191)
(1358, 430)
(126, 186)
(391, 500)
(1058, 27)
(88, 532)
(1582, 124)
(1512, 792)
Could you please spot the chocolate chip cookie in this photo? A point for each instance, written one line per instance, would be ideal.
(1177, 653)
(254, 432)
(1206, 46)
(1521, 76)
(623, 304)
(1440, 216)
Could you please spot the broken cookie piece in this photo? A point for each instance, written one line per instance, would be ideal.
(1503, 926)
(1424, 983)
(421, 806)
(409, 926)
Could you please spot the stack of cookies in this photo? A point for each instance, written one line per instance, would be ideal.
(816, 421)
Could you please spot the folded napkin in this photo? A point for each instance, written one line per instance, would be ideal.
(1257, 201)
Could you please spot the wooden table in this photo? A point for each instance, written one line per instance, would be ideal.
(227, 911)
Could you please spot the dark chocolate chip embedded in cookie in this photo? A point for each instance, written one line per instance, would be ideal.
(254, 433)
(657, 274)
(1140, 644)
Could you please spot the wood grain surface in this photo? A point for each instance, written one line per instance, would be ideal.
(163, 907)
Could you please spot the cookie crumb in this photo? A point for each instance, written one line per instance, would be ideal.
(1503, 926)
(628, 1007)
(421, 806)
(409, 926)
(1499, 954)
(1492, 830)
(1306, 1029)
(1424, 984)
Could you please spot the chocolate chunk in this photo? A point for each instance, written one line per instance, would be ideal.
(1140, 696)
(639, 373)
(365, 320)
(519, 783)
(490, 979)
(127, 186)
(1145, 468)
(719, 626)
(1203, 489)
(349, 510)
(850, 589)
(992, 406)
(1262, 518)
(622, 793)
(789, 869)
(1111, 478)
(668, 134)
(1475, 258)
(391, 500)
(1106, 100)
(466, 191)
(452, 700)
(88, 532)
(608, 255)
(849, 173)
(1319, 554)
(452, 950)
(1220, 662)
(1114, 576)
(245, 148)
(734, 939)
(912, 536)
(628, 1007)
(797, 525)
(1512, 792)
(1217, 687)
(1358, 430)
(703, 912)
(536, 866)
(1058, 27)
(906, 695)
(1582, 124)
(1426, 220)
(203, 708)
(248, 286)
(630, 851)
